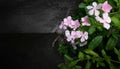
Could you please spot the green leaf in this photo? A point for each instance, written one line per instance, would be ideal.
(101, 1)
(102, 64)
(88, 57)
(82, 5)
(78, 67)
(119, 55)
(112, 66)
(103, 53)
(116, 21)
(81, 56)
(91, 30)
(68, 58)
(107, 58)
(95, 42)
(62, 66)
(62, 49)
(112, 42)
(91, 52)
(115, 35)
(88, 1)
(88, 64)
(116, 51)
(116, 1)
(72, 64)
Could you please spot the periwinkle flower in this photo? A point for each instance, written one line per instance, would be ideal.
(106, 7)
(93, 10)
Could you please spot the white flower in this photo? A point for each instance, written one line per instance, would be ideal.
(71, 36)
(68, 35)
(84, 36)
(94, 9)
(105, 20)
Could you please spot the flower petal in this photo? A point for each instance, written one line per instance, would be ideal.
(99, 19)
(94, 4)
(106, 17)
(91, 12)
(69, 18)
(97, 12)
(106, 7)
(106, 25)
(99, 6)
(86, 35)
(89, 7)
(67, 33)
(82, 39)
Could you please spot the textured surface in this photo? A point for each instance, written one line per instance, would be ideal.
(33, 16)
(30, 51)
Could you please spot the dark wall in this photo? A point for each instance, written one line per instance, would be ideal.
(22, 24)
(28, 51)
(33, 16)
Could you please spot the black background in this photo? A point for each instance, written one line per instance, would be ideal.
(27, 30)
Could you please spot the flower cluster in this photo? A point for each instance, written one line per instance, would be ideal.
(74, 34)
(68, 22)
(106, 8)
(71, 26)
(94, 32)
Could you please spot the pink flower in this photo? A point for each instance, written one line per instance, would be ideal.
(106, 7)
(84, 36)
(94, 9)
(105, 20)
(74, 24)
(85, 21)
(75, 34)
(71, 36)
(67, 21)
(62, 26)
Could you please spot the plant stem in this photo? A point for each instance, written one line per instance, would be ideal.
(114, 61)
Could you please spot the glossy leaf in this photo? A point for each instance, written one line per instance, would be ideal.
(91, 52)
(116, 21)
(95, 42)
(112, 42)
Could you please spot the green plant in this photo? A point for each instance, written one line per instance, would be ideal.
(92, 38)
